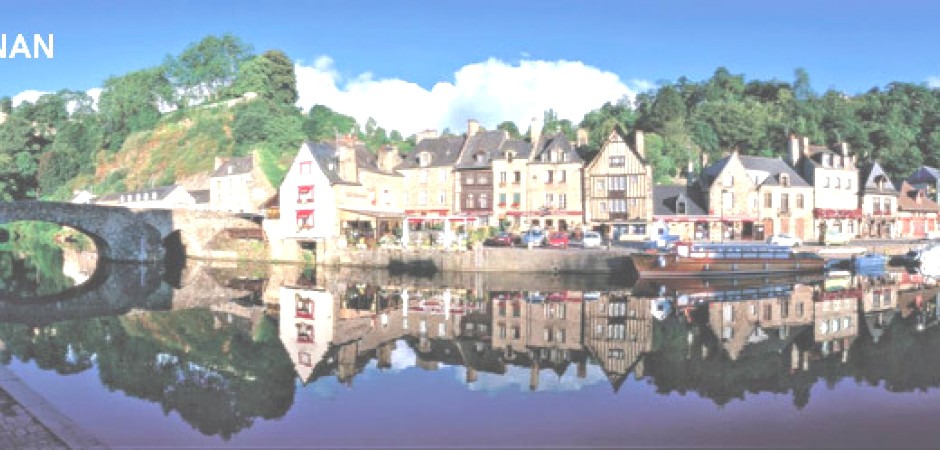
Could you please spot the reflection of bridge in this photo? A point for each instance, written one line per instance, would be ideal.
(113, 289)
(122, 234)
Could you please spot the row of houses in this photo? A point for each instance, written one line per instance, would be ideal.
(486, 178)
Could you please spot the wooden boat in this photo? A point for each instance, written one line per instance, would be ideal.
(725, 260)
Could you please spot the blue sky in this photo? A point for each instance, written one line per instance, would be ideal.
(391, 51)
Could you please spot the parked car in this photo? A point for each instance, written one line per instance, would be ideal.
(592, 239)
(558, 239)
(785, 240)
(535, 237)
(834, 237)
(502, 239)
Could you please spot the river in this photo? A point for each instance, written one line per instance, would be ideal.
(285, 356)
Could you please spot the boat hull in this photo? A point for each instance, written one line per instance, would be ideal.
(671, 265)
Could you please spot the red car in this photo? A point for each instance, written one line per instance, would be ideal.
(502, 239)
(558, 239)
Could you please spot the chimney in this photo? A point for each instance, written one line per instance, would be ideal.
(793, 149)
(704, 160)
(347, 169)
(844, 148)
(690, 174)
(472, 127)
(388, 158)
(640, 143)
(804, 146)
(426, 134)
(218, 162)
(535, 132)
(581, 139)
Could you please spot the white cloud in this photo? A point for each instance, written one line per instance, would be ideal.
(933, 81)
(491, 92)
(27, 96)
(519, 378)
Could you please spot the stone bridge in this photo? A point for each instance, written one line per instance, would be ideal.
(128, 235)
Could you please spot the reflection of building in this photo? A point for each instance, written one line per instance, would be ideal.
(618, 333)
(306, 327)
(835, 321)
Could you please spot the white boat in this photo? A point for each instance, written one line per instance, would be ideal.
(930, 261)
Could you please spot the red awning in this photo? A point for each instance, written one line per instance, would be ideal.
(304, 213)
(304, 189)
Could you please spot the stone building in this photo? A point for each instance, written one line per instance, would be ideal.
(238, 185)
(428, 177)
(834, 177)
(618, 192)
(161, 197)
(732, 197)
(785, 200)
(917, 213)
(553, 199)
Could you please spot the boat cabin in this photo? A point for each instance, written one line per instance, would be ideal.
(733, 251)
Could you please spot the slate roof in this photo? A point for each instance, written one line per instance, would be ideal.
(234, 166)
(665, 199)
(444, 152)
(907, 200)
(556, 142)
(161, 192)
(480, 149)
(200, 195)
(325, 156)
(775, 167)
(868, 176)
(924, 175)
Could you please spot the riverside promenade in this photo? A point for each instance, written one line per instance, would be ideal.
(28, 421)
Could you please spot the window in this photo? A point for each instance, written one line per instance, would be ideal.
(616, 354)
(469, 201)
(516, 332)
(484, 201)
(562, 176)
(616, 331)
(468, 179)
(838, 182)
(603, 207)
(768, 200)
(617, 183)
(785, 180)
(768, 312)
(304, 194)
(549, 176)
(304, 220)
(799, 201)
(501, 331)
(680, 207)
(598, 187)
(502, 178)
(562, 201)
(617, 161)
(424, 159)
(517, 177)
(482, 179)
(502, 199)
(848, 183)
(516, 198)
(549, 200)
(785, 202)
(826, 184)
(442, 197)
(799, 310)
(516, 309)
(547, 334)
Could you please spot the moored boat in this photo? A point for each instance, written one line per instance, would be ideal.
(723, 260)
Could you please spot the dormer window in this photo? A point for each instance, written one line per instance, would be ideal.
(479, 157)
(784, 180)
(424, 159)
(680, 206)
(510, 156)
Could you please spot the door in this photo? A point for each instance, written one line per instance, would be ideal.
(800, 227)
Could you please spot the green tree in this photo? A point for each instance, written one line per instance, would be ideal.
(270, 75)
(132, 103)
(204, 68)
(323, 124)
(510, 128)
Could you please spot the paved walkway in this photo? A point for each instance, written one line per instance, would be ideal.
(28, 421)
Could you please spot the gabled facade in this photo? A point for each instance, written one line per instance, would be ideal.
(554, 189)
(511, 181)
(334, 190)
(428, 176)
(732, 196)
(618, 191)
(834, 177)
(878, 202)
(474, 170)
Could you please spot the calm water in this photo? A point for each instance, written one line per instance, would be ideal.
(275, 356)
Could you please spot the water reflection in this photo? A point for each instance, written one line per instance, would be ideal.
(233, 345)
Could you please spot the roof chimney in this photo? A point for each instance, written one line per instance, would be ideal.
(804, 146)
(581, 138)
(640, 143)
(218, 162)
(793, 149)
(535, 131)
(704, 160)
(472, 127)
(426, 134)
